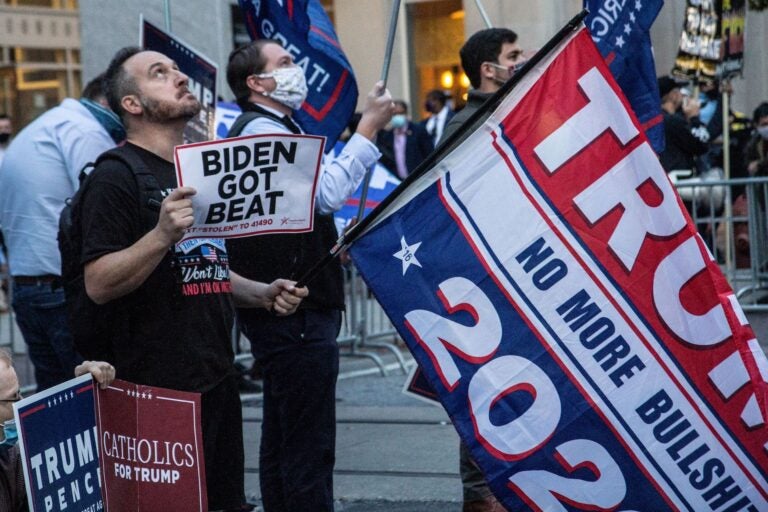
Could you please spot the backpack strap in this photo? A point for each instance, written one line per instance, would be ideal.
(150, 193)
(253, 111)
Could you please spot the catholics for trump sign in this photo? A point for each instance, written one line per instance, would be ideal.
(151, 448)
(251, 185)
(59, 448)
(565, 310)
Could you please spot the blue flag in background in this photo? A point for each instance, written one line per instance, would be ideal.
(303, 28)
(620, 30)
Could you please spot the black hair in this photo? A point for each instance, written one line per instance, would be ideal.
(119, 83)
(483, 46)
(243, 62)
(401, 103)
(96, 89)
(760, 112)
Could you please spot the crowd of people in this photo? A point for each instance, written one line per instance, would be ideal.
(131, 214)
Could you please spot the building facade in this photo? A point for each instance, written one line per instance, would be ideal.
(48, 48)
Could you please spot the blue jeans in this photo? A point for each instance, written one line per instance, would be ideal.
(42, 318)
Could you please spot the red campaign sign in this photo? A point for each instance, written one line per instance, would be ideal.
(151, 448)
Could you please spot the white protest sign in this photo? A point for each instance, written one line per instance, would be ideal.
(251, 185)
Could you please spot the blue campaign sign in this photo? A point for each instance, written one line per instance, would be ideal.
(200, 70)
(59, 448)
(306, 32)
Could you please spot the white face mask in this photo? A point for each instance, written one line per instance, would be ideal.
(291, 88)
(763, 131)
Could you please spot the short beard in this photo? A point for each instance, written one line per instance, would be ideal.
(161, 112)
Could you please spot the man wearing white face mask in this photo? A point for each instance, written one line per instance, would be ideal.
(406, 145)
(298, 355)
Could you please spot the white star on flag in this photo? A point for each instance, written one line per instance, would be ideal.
(638, 5)
(632, 17)
(407, 254)
(620, 42)
(627, 29)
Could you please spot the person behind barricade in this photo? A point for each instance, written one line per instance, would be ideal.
(436, 103)
(298, 354)
(489, 58)
(170, 306)
(13, 496)
(756, 153)
(39, 173)
(686, 137)
(405, 145)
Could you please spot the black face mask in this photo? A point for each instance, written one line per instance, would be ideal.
(4, 137)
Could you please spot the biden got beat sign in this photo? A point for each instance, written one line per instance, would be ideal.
(251, 185)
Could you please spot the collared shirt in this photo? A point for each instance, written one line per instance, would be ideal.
(340, 176)
(38, 174)
(436, 123)
(400, 136)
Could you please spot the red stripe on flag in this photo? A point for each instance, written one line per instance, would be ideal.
(609, 58)
(33, 410)
(84, 389)
(325, 36)
(319, 115)
(290, 9)
(652, 122)
(354, 201)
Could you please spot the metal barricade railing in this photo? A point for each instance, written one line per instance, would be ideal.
(366, 331)
(366, 325)
(731, 217)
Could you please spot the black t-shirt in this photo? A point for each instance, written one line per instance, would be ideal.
(174, 330)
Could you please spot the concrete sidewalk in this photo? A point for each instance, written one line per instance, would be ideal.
(394, 453)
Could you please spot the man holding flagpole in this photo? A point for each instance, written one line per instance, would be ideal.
(299, 357)
(489, 59)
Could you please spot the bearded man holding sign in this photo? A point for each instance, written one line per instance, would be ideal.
(299, 353)
(170, 305)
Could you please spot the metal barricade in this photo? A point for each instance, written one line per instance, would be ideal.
(366, 328)
(731, 217)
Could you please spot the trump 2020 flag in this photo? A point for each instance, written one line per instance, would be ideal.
(546, 278)
(620, 30)
(303, 27)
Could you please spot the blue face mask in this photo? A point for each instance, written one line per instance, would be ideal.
(107, 119)
(11, 434)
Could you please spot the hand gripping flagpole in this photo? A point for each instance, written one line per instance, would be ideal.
(445, 147)
(384, 74)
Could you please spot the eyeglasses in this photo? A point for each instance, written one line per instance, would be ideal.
(14, 399)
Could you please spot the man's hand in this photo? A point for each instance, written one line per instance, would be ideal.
(691, 108)
(283, 297)
(103, 372)
(176, 215)
(377, 111)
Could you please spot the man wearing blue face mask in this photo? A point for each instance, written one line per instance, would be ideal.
(39, 173)
(406, 145)
(298, 354)
(13, 496)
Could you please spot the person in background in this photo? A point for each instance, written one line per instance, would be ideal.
(756, 153)
(40, 172)
(405, 145)
(6, 131)
(436, 104)
(685, 135)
